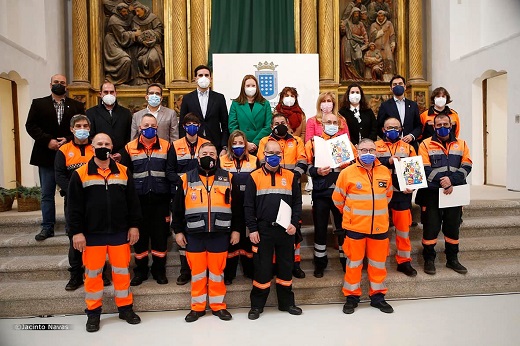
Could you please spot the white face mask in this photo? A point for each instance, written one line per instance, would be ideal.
(289, 101)
(354, 98)
(251, 91)
(440, 102)
(109, 99)
(203, 82)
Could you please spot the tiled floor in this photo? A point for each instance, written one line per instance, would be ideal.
(478, 320)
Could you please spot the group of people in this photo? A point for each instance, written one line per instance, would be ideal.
(219, 179)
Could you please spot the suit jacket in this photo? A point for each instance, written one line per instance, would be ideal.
(116, 126)
(214, 127)
(42, 125)
(367, 128)
(412, 119)
(167, 124)
(256, 123)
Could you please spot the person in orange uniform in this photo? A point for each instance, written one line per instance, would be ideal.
(70, 157)
(440, 98)
(202, 222)
(363, 191)
(324, 179)
(147, 158)
(446, 164)
(103, 215)
(186, 153)
(266, 188)
(389, 150)
(240, 164)
(293, 159)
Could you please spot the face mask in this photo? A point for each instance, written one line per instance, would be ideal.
(398, 90)
(149, 132)
(191, 129)
(354, 98)
(109, 99)
(203, 82)
(238, 150)
(331, 129)
(58, 89)
(250, 91)
(443, 131)
(367, 158)
(392, 134)
(273, 160)
(440, 102)
(154, 100)
(280, 131)
(326, 107)
(81, 134)
(207, 163)
(289, 101)
(102, 154)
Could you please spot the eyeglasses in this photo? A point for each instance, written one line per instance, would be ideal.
(388, 128)
(330, 122)
(366, 151)
(273, 153)
(158, 93)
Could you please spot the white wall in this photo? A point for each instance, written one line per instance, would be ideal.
(32, 42)
(469, 41)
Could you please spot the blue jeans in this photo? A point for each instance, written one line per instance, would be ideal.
(48, 184)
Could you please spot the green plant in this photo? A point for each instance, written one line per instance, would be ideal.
(28, 192)
(6, 193)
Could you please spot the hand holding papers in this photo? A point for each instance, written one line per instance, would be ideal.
(459, 196)
(410, 173)
(333, 152)
(284, 214)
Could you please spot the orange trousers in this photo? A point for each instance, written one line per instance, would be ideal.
(402, 220)
(201, 287)
(376, 251)
(94, 259)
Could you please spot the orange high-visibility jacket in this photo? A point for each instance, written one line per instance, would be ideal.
(427, 122)
(293, 153)
(70, 157)
(184, 161)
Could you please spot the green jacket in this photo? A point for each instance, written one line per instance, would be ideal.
(256, 124)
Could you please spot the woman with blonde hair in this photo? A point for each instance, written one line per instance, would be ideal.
(326, 104)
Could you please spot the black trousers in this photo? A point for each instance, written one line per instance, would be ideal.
(75, 257)
(153, 233)
(239, 252)
(321, 209)
(434, 219)
(273, 239)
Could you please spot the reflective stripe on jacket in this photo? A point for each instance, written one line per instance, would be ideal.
(293, 153)
(185, 161)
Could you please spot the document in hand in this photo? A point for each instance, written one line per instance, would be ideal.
(284, 214)
(410, 173)
(333, 152)
(459, 196)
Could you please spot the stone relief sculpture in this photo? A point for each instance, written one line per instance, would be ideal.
(354, 40)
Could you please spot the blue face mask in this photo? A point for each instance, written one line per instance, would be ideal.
(191, 129)
(398, 90)
(273, 160)
(238, 150)
(367, 158)
(149, 132)
(81, 134)
(443, 131)
(392, 134)
(154, 100)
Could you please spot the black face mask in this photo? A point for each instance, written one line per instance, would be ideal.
(58, 89)
(280, 131)
(102, 154)
(208, 163)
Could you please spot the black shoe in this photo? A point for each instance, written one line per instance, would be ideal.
(193, 315)
(228, 281)
(183, 279)
(349, 307)
(429, 267)
(74, 283)
(130, 316)
(254, 313)
(298, 273)
(160, 278)
(136, 280)
(93, 323)
(318, 272)
(293, 310)
(407, 269)
(383, 306)
(414, 224)
(223, 314)
(455, 265)
(106, 281)
(44, 234)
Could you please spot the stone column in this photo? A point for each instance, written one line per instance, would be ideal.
(308, 40)
(176, 38)
(415, 42)
(79, 41)
(326, 42)
(198, 35)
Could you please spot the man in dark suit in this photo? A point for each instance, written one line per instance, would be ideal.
(111, 118)
(403, 109)
(48, 123)
(211, 109)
